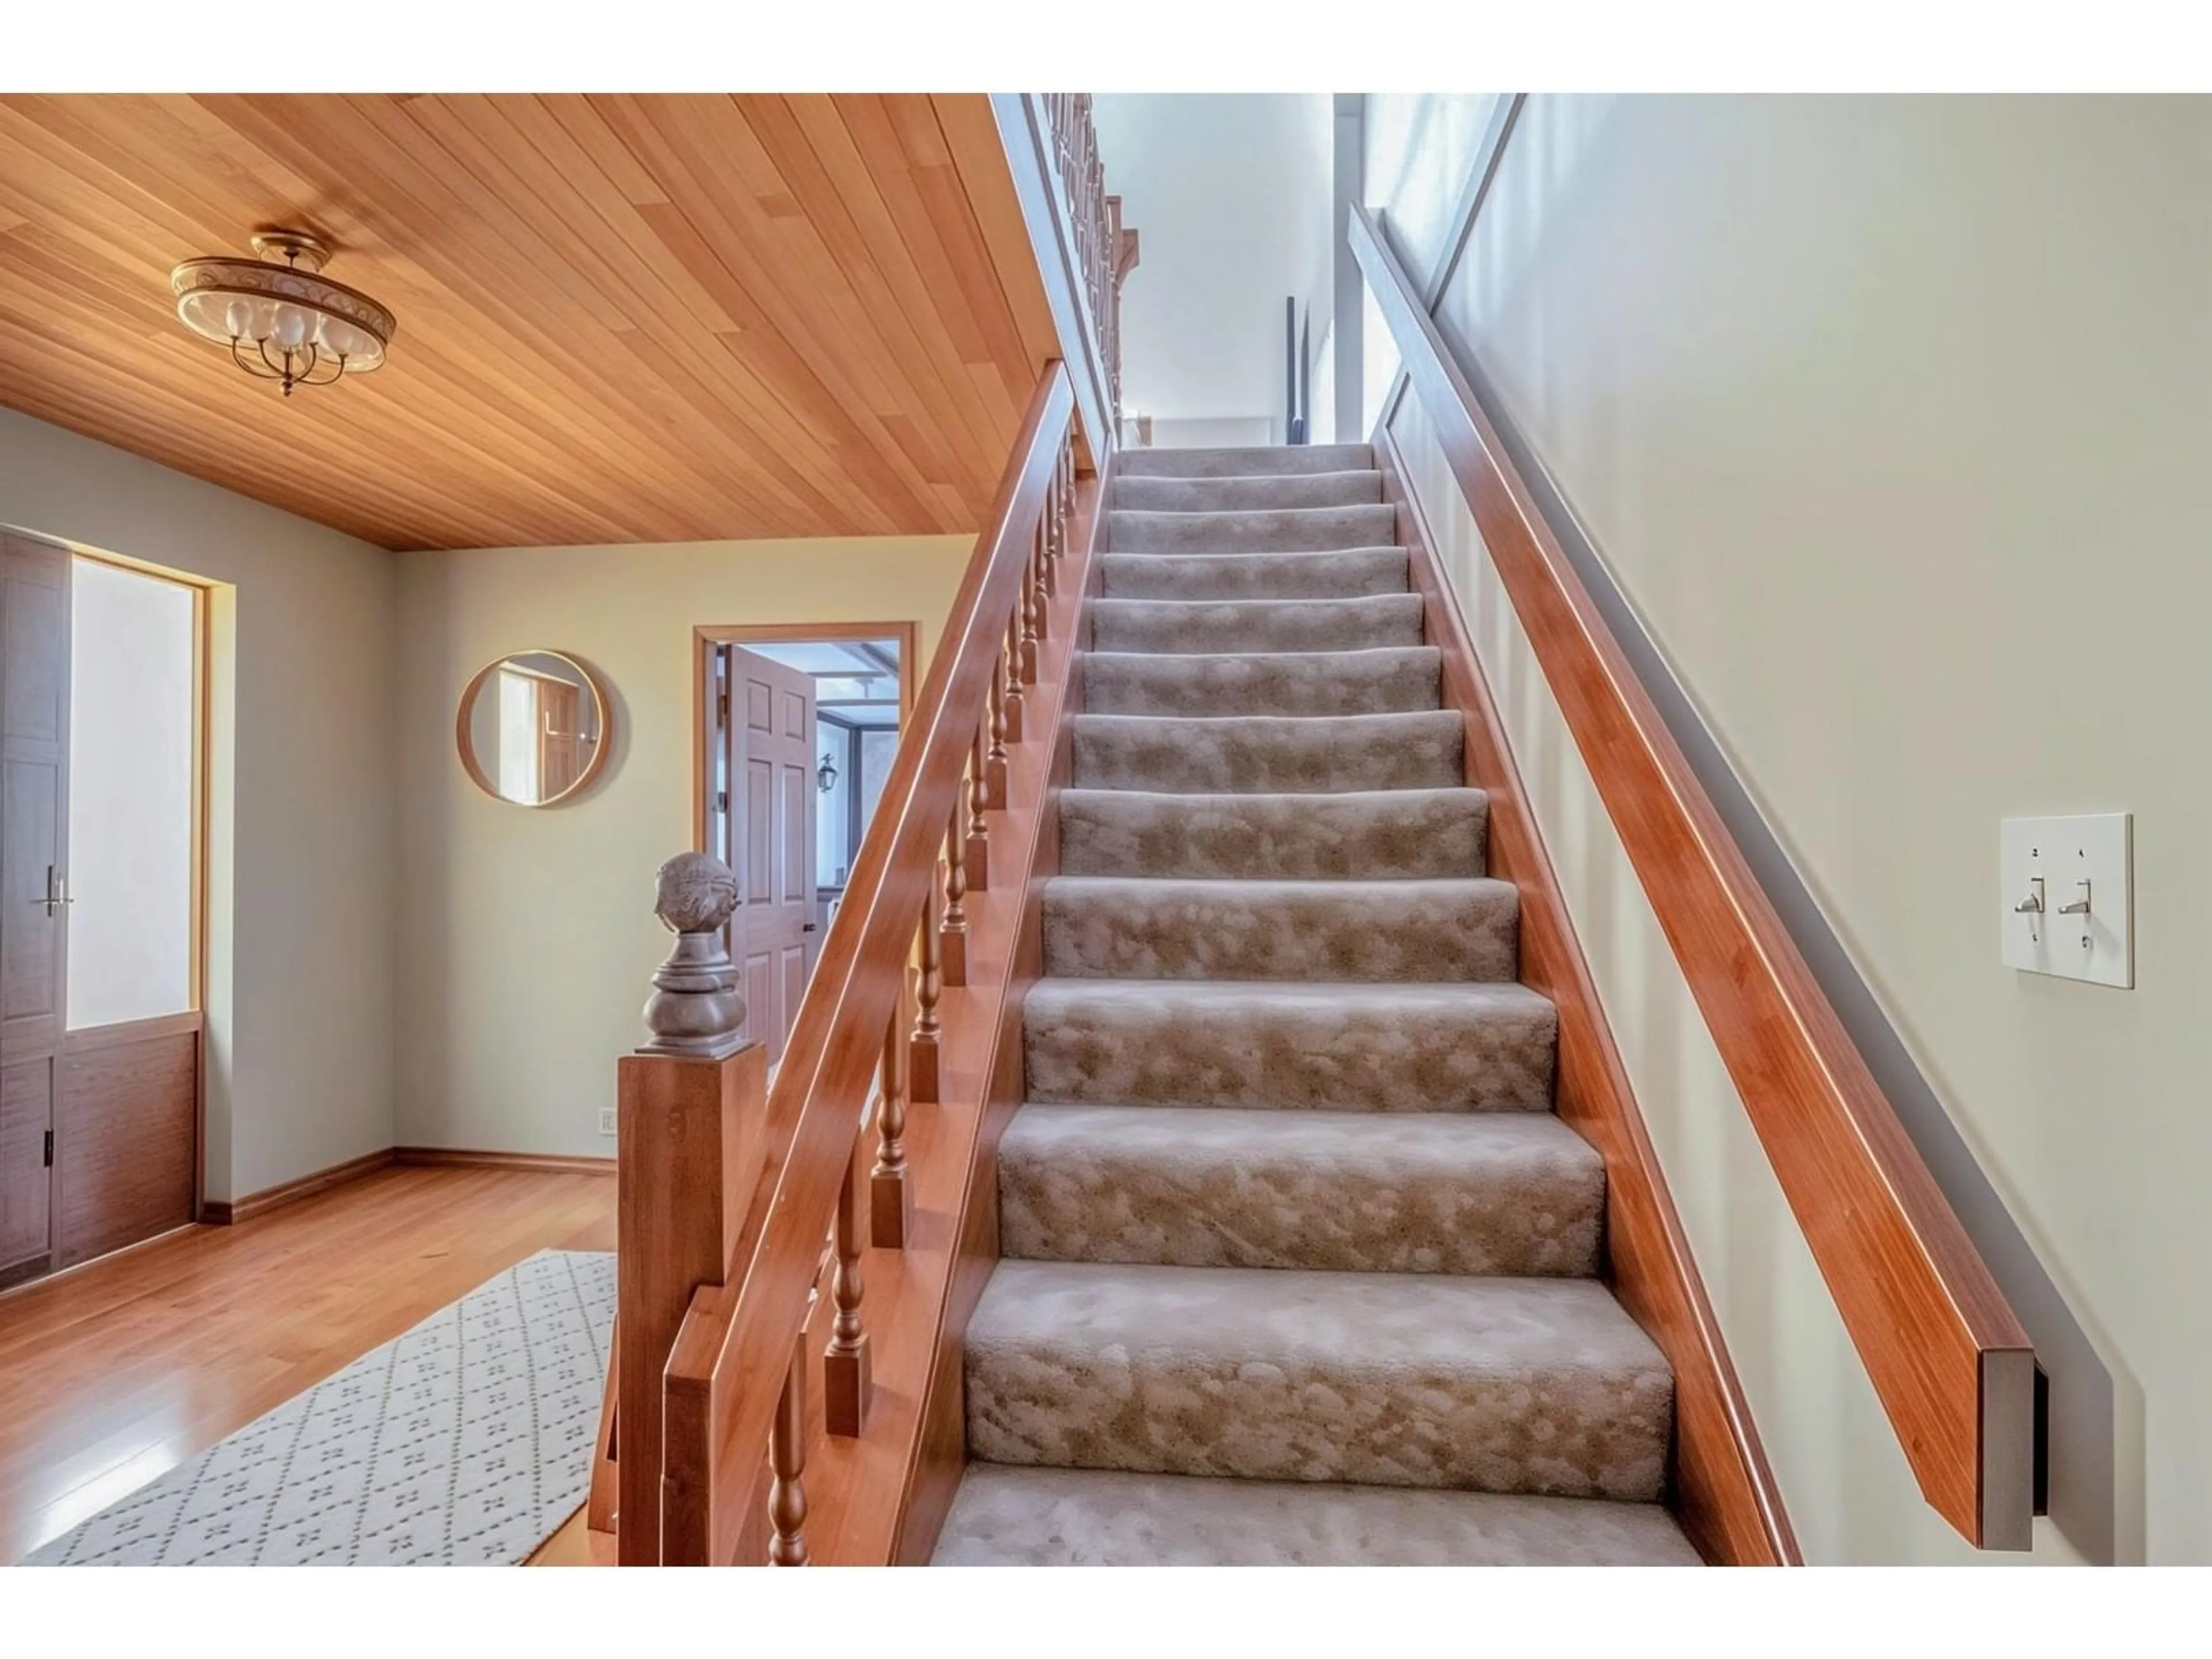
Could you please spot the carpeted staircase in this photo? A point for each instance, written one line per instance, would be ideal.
(1298, 1265)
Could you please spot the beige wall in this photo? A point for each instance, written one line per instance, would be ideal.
(1890, 417)
(526, 938)
(299, 995)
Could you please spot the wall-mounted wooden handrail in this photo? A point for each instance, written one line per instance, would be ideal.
(728, 1380)
(1953, 1366)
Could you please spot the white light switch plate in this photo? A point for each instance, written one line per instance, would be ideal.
(2062, 854)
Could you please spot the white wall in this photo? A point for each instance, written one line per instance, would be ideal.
(300, 876)
(1890, 417)
(527, 936)
(1230, 197)
(1420, 148)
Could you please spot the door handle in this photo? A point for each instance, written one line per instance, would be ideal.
(58, 893)
(807, 928)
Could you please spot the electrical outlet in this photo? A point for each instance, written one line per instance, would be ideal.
(606, 1119)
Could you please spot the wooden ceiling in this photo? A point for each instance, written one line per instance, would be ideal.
(621, 318)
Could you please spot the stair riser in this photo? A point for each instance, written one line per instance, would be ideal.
(1292, 530)
(1273, 460)
(1563, 1432)
(1308, 1055)
(1402, 932)
(1345, 574)
(1122, 1192)
(1386, 681)
(1404, 834)
(1289, 625)
(1007, 1517)
(1262, 757)
(1245, 495)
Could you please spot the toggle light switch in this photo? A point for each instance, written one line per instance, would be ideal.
(2068, 897)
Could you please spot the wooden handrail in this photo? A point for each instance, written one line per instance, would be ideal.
(734, 1359)
(1952, 1365)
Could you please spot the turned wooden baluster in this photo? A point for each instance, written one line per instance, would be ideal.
(890, 1204)
(1060, 489)
(929, 984)
(953, 934)
(1041, 556)
(984, 790)
(1025, 616)
(1010, 699)
(845, 1381)
(787, 1462)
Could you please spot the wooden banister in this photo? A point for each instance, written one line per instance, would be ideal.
(731, 1392)
(1951, 1363)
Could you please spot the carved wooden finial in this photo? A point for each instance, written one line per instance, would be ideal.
(694, 1009)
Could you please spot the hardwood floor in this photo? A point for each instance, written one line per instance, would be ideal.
(118, 1371)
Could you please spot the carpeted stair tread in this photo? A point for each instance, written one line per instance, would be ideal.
(1297, 1264)
(1380, 680)
(1375, 834)
(1254, 460)
(1518, 1193)
(1533, 1385)
(1289, 1044)
(1273, 625)
(1144, 928)
(1351, 488)
(1261, 754)
(1275, 530)
(1007, 1516)
(1344, 574)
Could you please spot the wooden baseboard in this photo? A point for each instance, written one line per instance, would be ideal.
(461, 1157)
(223, 1213)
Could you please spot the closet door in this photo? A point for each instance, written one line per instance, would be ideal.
(34, 707)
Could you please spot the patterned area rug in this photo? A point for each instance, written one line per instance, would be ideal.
(465, 1442)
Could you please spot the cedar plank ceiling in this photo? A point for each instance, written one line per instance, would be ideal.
(621, 318)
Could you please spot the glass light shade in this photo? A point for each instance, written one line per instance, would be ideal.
(253, 301)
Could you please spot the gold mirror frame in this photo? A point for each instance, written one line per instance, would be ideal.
(601, 711)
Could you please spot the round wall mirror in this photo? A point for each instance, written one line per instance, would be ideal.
(533, 727)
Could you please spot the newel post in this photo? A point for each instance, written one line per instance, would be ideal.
(692, 1106)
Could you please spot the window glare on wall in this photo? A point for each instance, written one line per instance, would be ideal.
(130, 810)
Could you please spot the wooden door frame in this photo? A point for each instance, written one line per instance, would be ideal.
(706, 636)
(203, 589)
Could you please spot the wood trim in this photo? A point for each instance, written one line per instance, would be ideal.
(1724, 1492)
(222, 1213)
(457, 1157)
(733, 1339)
(91, 1039)
(707, 635)
(1951, 1362)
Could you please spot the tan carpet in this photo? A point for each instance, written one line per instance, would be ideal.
(1299, 1268)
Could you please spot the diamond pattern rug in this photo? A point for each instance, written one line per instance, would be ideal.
(465, 1442)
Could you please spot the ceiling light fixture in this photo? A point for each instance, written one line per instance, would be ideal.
(283, 322)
